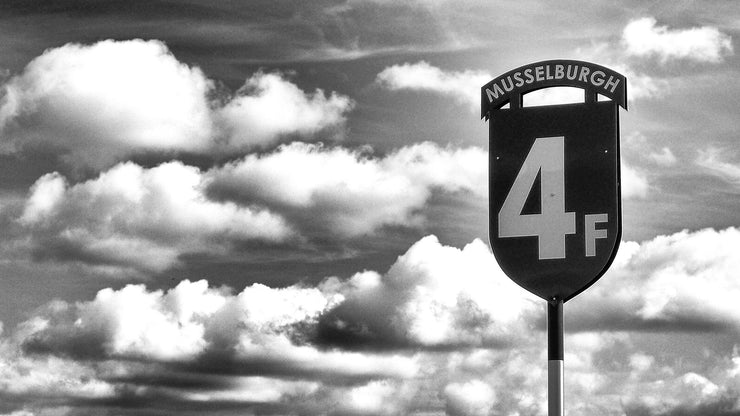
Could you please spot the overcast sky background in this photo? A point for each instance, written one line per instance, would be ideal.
(280, 208)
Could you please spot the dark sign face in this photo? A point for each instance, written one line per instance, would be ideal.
(555, 212)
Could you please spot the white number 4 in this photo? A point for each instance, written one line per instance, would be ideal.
(546, 157)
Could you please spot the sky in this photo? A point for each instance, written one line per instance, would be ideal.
(281, 208)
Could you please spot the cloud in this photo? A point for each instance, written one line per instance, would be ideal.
(679, 282)
(52, 378)
(656, 383)
(195, 328)
(349, 192)
(472, 398)
(645, 86)
(463, 86)
(637, 145)
(107, 99)
(268, 107)
(711, 161)
(137, 218)
(664, 157)
(686, 393)
(634, 183)
(442, 329)
(434, 296)
(49, 385)
(199, 344)
(441, 297)
(97, 104)
(640, 85)
(605, 373)
(375, 398)
(501, 381)
(196, 345)
(642, 38)
(141, 220)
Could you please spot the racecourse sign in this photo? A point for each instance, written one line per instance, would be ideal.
(555, 211)
(554, 187)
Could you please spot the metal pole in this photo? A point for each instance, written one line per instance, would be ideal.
(555, 357)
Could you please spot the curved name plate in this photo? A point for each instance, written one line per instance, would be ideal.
(509, 87)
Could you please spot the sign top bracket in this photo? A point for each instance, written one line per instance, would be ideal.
(509, 87)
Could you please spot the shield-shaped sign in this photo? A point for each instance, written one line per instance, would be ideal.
(555, 209)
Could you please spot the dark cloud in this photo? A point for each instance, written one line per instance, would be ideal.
(75, 345)
(159, 375)
(88, 8)
(232, 336)
(621, 320)
(723, 406)
(350, 326)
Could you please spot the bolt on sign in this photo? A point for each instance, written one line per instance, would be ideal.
(554, 187)
(555, 211)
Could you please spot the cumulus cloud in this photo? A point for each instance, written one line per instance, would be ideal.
(380, 343)
(99, 103)
(196, 344)
(382, 397)
(441, 297)
(680, 282)
(665, 391)
(605, 373)
(49, 376)
(198, 328)
(500, 381)
(472, 398)
(438, 296)
(200, 344)
(434, 296)
(109, 97)
(634, 183)
(268, 106)
(349, 192)
(687, 391)
(48, 385)
(463, 86)
(612, 364)
(642, 38)
(137, 218)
